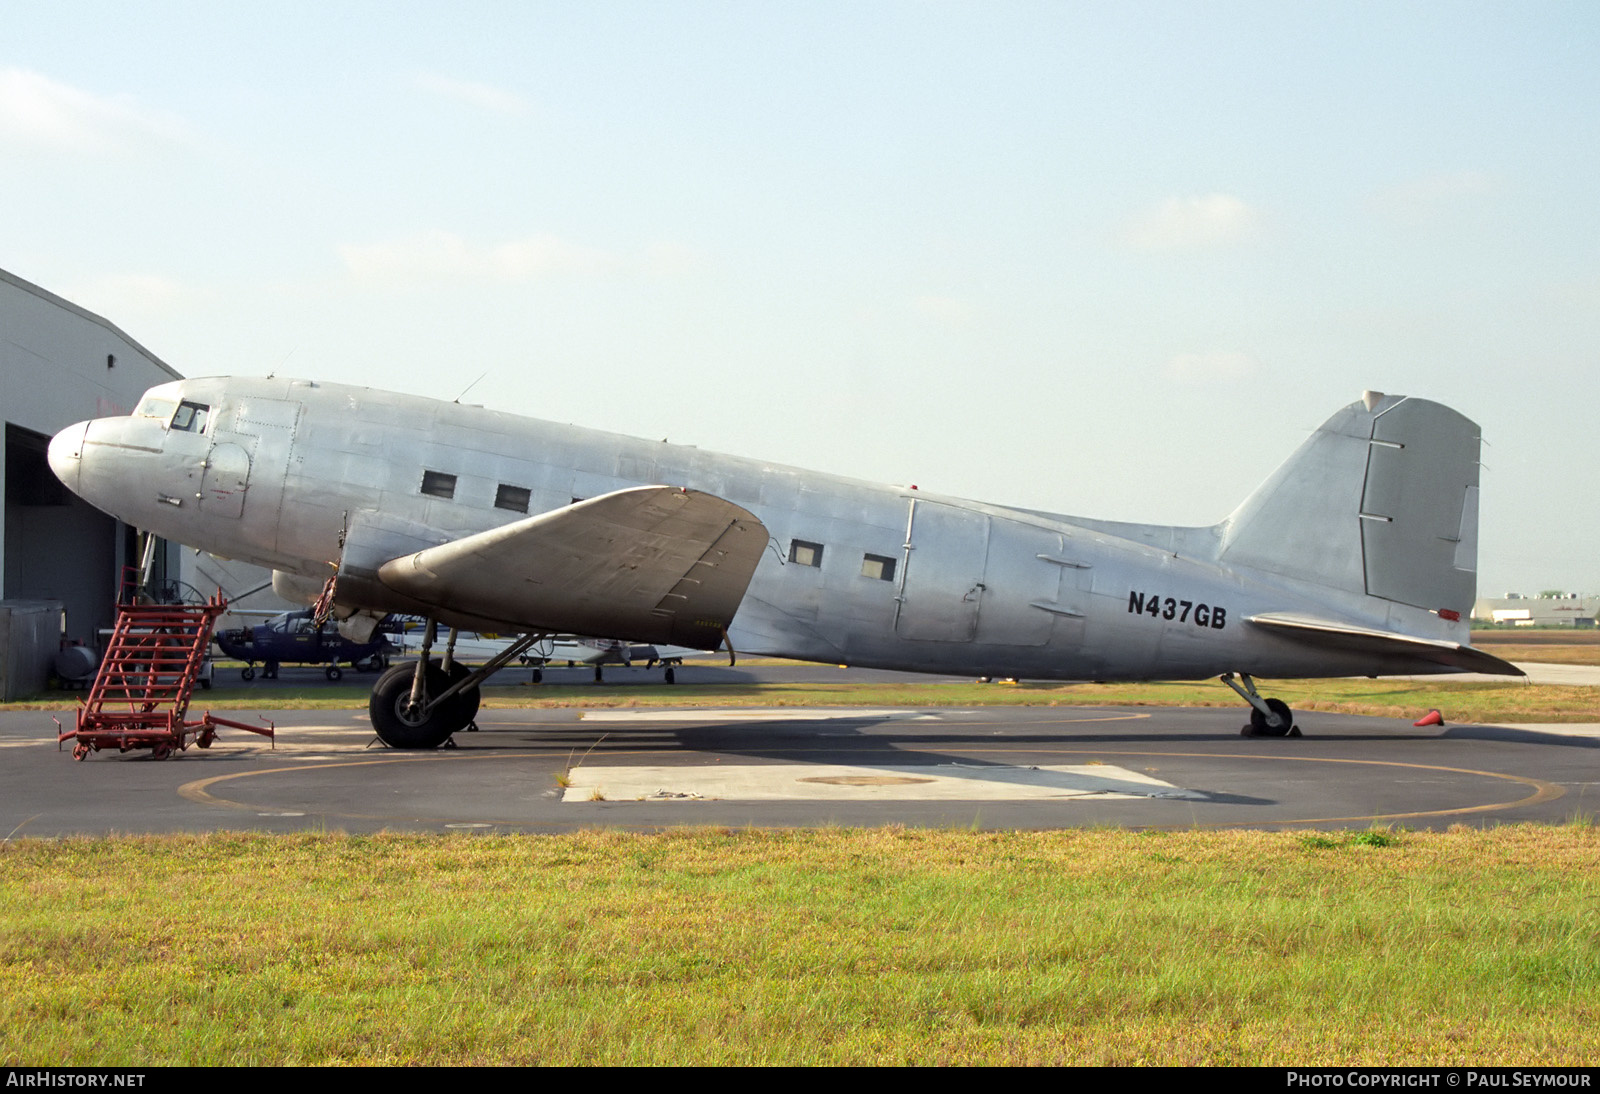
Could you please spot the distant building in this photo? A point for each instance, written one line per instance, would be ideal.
(1567, 610)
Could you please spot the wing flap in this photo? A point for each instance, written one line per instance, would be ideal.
(649, 564)
(1343, 636)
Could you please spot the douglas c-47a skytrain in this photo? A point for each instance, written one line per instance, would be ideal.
(1357, 557)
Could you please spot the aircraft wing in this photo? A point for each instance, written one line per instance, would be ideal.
(1342, 636)
(652, 563)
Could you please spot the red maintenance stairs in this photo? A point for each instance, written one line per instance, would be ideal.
(140, 696)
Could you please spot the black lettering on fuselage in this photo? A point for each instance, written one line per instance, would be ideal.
(1211, 616)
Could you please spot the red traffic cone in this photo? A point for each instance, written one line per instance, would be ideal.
(1432, 718)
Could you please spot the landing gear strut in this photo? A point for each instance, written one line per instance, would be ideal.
(1268, 717)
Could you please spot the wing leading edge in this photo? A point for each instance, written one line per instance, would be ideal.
(650, 563)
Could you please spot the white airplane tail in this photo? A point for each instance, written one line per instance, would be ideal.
(1382, 500)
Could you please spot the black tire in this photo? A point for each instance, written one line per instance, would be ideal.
(333, 672)
(672, 677)
(248, 673)
(464, 702)
(538, 676)
(395, 725)
(1258, 721)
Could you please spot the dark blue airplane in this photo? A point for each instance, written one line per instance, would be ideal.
(295, 638)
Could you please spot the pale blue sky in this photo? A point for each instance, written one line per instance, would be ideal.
(1110, 259)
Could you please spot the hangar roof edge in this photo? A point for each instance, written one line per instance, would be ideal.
(85, 313)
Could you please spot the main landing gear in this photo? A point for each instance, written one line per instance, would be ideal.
(426, 722)
(1268, 717)
(422, 703)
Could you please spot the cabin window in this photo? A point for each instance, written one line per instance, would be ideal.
(805, 554)
(191, 417)
(514, 498)
(436, 484)
(156, 408)
(877, 566)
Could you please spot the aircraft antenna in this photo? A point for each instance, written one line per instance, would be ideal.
(469, 387)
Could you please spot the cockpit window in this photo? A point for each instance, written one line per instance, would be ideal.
(156, 408)
(191, 417)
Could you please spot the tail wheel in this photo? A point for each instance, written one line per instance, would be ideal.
(1258, 721)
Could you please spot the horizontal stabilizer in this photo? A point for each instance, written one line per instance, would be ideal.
(648, 564)
(1342, 636)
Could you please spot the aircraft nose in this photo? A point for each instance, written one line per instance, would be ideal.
(66, 454)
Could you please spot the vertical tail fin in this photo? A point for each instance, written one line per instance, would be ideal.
(1381, 500)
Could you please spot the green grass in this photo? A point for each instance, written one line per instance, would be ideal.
(819, 947)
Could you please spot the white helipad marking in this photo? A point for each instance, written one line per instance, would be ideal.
(830, 782)
(759, 714)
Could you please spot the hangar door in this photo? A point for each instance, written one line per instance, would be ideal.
(57, 546)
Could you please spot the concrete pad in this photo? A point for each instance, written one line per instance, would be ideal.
(1566, 675)
(1560, 729)
(755, 714)
(1538, 673)
(837, 782)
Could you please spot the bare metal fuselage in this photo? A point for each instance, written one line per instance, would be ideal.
(855, 573)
